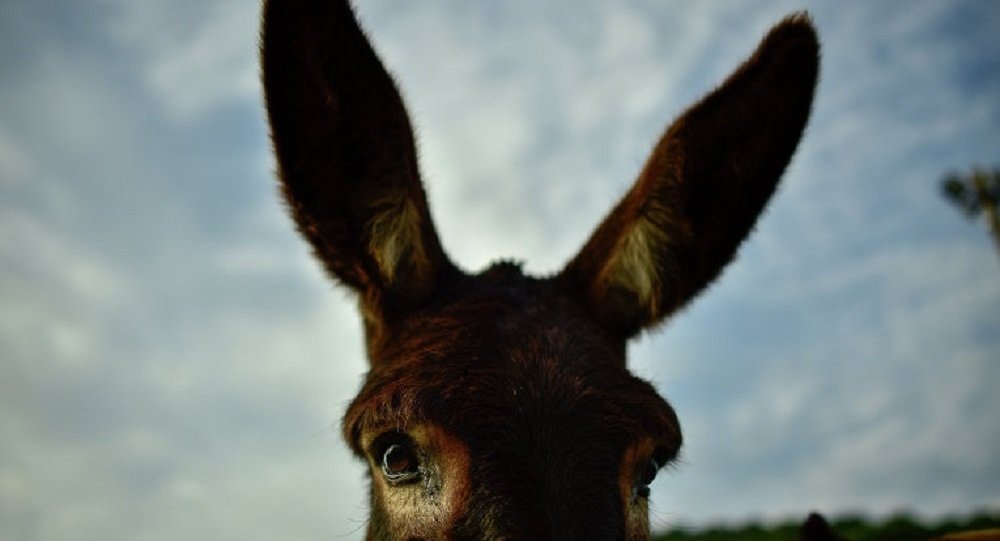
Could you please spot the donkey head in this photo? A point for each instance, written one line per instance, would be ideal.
(499, 405)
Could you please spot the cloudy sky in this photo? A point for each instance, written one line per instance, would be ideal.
(173, 365)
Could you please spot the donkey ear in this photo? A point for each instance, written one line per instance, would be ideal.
(346, 154)
(702, 189)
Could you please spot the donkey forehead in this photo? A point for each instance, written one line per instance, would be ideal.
(503, 355)
(501, 317)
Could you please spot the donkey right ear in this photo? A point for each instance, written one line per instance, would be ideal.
(346, 155)
(702, 189)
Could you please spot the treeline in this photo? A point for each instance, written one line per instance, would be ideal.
(898, 527)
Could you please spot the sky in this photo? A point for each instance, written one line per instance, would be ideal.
(173, 364)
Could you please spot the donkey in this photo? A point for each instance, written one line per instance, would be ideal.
(498, 406)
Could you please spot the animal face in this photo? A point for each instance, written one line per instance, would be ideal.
(499, 405)
(504, 412)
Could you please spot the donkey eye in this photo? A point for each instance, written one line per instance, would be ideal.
(398, 460)
(645, 477)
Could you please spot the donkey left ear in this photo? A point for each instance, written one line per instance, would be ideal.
(347, 157)
(702, 189)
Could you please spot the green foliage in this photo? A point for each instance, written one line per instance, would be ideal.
(972, 193)
(898, 527)
(975, 194)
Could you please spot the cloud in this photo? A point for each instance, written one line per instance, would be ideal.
(155, 386)
(553, 139)
(14, 160)
(194, 56)
(174, 364)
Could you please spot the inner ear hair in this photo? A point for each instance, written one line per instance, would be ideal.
(702, 189)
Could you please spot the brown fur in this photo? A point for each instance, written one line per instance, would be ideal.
(512, 392)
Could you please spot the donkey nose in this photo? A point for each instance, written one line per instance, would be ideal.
(536, 536)
(537, 525)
